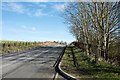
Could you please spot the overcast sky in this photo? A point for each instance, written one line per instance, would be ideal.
(34, 21)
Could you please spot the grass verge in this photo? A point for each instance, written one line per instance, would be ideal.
(86, 69)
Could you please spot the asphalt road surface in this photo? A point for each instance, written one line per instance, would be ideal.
(37, 63)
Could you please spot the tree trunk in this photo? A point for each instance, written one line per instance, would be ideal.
(107, 47)
(104, 47)
(96, 54)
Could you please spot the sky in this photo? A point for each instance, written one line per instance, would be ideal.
(34, 21)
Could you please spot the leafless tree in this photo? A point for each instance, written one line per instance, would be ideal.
(93, 23)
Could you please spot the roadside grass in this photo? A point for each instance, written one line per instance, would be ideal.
(87, 69)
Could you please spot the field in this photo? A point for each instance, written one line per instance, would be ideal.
(86, 69)
(14, 46)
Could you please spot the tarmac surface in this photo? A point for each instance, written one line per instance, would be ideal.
(31, 64)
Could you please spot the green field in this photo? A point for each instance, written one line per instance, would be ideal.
(86, 68)
(14, 46)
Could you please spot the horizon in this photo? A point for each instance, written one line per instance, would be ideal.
(32, 41)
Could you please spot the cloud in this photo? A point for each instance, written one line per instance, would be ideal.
(24, 26)
(42, 5)
(37, 0)
(29, 28)
(33, 28)
(40, 13)
(49, 0)
(60, 7)
(25, 0)
(15, 7)
(22, 9)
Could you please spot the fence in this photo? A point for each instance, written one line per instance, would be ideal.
(8, 47)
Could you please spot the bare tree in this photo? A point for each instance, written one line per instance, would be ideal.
(93, 23)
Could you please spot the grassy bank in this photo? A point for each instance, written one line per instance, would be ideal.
(87, 69)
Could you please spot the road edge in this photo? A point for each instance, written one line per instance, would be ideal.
(60, 71)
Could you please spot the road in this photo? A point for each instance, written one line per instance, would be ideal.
(37, 63)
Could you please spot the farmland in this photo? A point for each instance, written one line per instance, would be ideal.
(15, 46)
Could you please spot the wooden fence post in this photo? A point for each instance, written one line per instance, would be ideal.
(15, 44)
(3, 45)
(74, 59)
(26, 43)
(9, 45)
(20, 44)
